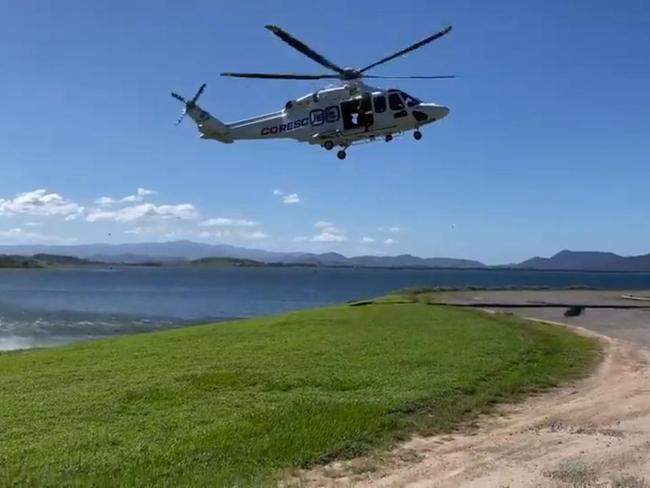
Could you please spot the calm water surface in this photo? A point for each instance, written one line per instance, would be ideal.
(45, 307)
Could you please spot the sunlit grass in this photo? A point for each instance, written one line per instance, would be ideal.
(236, 403)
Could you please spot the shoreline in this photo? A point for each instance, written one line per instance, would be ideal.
(488, 269)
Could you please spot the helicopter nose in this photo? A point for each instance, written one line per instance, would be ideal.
(429, 112)
(436, 112)
(442, 112)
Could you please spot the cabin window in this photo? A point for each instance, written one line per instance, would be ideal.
(317, 117)
(380, 103)
(395, 101)
(332, 114)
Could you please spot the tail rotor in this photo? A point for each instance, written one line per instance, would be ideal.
(189, 104)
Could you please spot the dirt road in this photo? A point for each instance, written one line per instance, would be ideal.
(595, 432)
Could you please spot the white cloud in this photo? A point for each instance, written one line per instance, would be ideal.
(220, 233)
(328, 232)
(225, 222)
(332, 230)
(137, 197)
(291, 199)
(173, 229)
(131, 199)
(329, 237)
(176, 234)
(390, 241)
(96, 215)
(14, 233)
(287, 198)
(39, 202)
(33, 224)
(104, 201)
(391, 230)
(367, 240)
(18, 235)
(183, 211)
(211, 235)
(258, 235)
(147, 230)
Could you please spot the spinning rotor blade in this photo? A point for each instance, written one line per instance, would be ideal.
(279, 76)
(409, 49)
(304, 49)
(180, 119)
(198, 93)
(442, 77)
(189, 104)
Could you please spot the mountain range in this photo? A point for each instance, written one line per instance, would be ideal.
(589, 261)
(187, 250)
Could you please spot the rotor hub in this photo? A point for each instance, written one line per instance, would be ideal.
(351, 74)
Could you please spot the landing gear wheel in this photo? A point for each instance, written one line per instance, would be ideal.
(341, 154)
(388, 138)
(418, 135)
(329, 145)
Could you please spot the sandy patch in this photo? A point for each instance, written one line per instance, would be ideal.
(595, 432)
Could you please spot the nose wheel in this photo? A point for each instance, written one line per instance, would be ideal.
(329, 145)
(341, 154)
(417, 135)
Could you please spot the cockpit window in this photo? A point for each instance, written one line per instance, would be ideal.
(395, 102)
(409, 100)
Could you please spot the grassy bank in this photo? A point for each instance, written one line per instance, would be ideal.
(236, 403)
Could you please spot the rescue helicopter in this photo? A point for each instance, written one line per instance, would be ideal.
(342, 115)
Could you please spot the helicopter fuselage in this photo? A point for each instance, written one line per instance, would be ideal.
(341, 116)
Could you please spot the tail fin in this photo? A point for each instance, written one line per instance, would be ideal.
(209, 126)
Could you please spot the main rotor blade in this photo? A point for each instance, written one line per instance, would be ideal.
(279, 76)
(303, 48)
(198, 93)
(178, 97)
(442, 77)
(412, 47)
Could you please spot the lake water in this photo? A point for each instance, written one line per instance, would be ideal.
(46, 307)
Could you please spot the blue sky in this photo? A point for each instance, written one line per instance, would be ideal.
(546, 147)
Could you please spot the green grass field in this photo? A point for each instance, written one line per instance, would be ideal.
(237, 403)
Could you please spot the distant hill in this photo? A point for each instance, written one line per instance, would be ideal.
(56, 259)
(13, 261)
(225, 262)
(187, 251)
(169, 252)
(40, 261)
(588, 261)
(408, 261)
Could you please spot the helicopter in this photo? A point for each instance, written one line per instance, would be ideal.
(342, 115)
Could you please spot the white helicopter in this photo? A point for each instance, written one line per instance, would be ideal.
(350, 113)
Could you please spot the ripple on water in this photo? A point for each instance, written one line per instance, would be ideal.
(23, 328)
